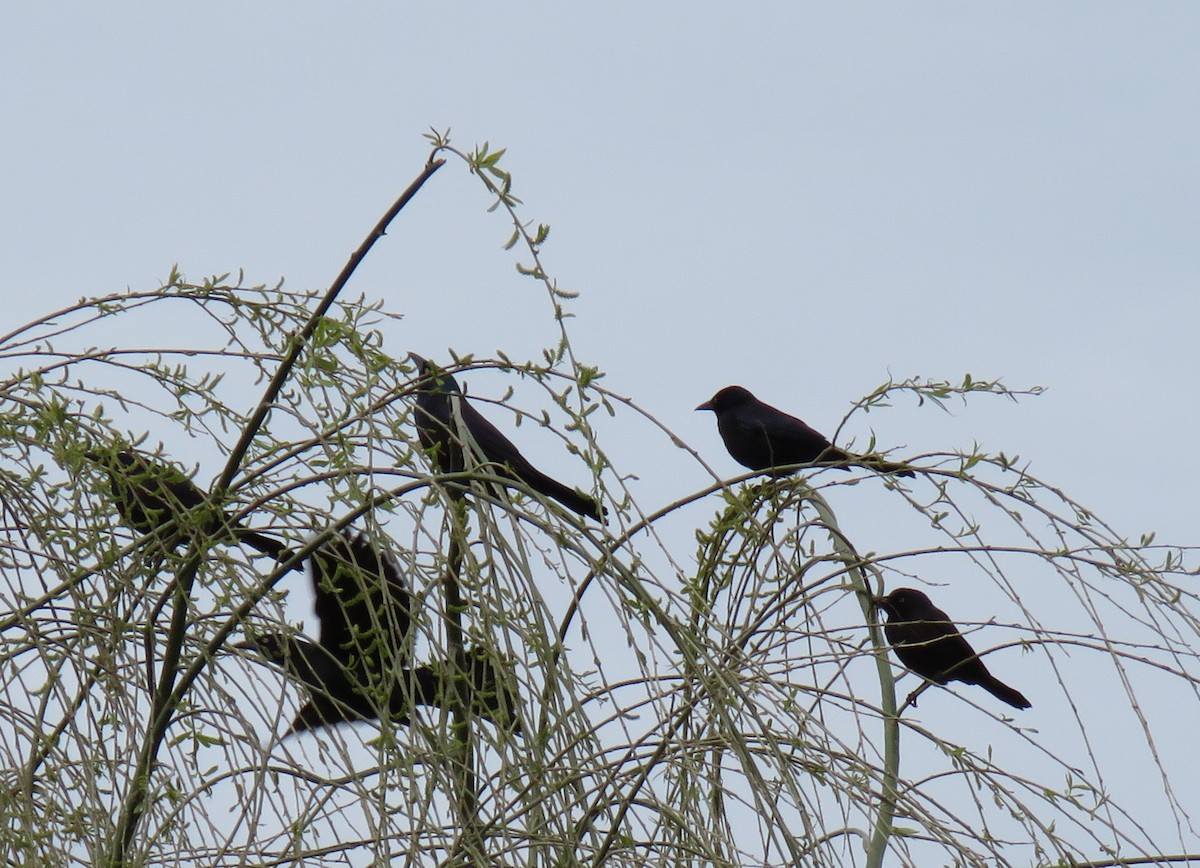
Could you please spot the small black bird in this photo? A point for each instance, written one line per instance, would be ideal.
(928, 643)
(761, 437)
(359, 668)
(149, 495)
(438, 396)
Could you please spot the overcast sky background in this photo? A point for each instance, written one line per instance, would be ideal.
(803, 199)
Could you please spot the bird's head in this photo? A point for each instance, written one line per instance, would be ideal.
(431, 378)
(902, 601)
(727, 399)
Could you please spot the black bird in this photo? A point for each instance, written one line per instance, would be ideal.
(761, 437)
(438, 398)
(928, 643)
(150, 495)
(359, 668)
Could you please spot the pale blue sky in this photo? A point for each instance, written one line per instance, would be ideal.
(800, 198)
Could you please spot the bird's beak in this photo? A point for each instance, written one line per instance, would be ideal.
(246, 645)
(417, 360)
(707, 405)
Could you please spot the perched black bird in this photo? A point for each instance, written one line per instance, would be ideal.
(148, 495)
(438, 400)
(761, 437)
(928, 643)
(359, 668)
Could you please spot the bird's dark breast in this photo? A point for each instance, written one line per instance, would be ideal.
(926, 655)
(748, 444)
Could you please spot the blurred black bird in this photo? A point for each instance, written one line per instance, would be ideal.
(928, 643)
(761, 437)
(150, 495)
(359, 667)
(438, 397)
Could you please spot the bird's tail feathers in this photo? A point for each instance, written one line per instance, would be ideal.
(1004, 693)
(568, 497)
(266, 545)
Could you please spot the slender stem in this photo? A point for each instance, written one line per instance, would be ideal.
(1185, 858)
(889, 787)
(162, 707)
(289, 362)
(164, 701)
(462, 753)
(617, 829)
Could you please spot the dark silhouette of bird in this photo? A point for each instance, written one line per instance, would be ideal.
(438, 400)
(761, 437)
(150, 495)
(359, 667)
(928, 643)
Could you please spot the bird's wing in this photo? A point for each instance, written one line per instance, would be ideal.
(443, 434)
(500, 450)
(148, 494)
(929, 645)
(362, 601)
(180, 491)
(491, 441)
(780, 425)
